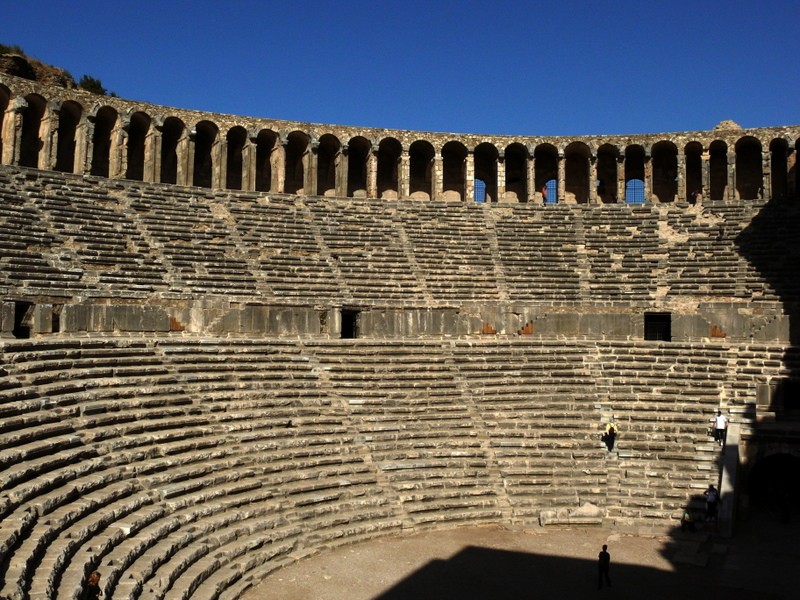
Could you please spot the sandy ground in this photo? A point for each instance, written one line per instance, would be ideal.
(480, 563)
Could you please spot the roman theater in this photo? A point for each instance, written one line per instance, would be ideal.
(229, 344)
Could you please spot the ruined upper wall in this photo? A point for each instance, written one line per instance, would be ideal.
(74, 131)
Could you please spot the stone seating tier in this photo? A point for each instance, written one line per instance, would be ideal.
(202, 464)
(63, 235)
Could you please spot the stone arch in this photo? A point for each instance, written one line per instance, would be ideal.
(268, 164)
(420, 158)
(295, 162)
(749, 169)
(577, 182)
(693, 152)
(779, 168)
(454, 172)
(607, 161)
(634, 174)
(486, 157)
(105, 121)
(138, 130)
(5, 98)
(236, 139)
(31, 142)
(329, 153)
(516, 158)
(664, 155)
(172, 132)
(358, 153)
(717, 169)
(546, 170)
(69, 118)
(389, 152)
(206, 135)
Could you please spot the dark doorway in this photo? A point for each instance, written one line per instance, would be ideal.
(23, 318)
(774, 484)
(658, 327)
(349, 324)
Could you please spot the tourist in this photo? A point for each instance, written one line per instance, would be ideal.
(603, 563)
(91, 587)
(720, 427)
(610, 435)
(712, 501)
(687, 521)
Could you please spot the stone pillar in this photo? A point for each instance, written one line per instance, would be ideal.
(561, 194)
(91, 123)
(310, 166)
(593, 199)
(185, 152)
(648, 178)
(219, 163)
(48, 132)
(6, 319)
(501, 176)
(152, 154)
(438, 177)
(706, 165)
(621, 178)
(681, 192)
(469, 176)
(405, 175)
(533, 193)
(277, 167)
(342, 167)
(372, 174)
(249, 164)
(12, 129)
(81, 145)
(117, 152)
(731, 195)
(766, 175)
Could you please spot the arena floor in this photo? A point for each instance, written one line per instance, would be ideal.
(489, 563)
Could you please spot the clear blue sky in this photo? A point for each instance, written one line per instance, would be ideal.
(562, 67)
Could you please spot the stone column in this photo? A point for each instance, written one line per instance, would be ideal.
(766, 175)
(533, 193)
(404, 184)
(185, 152)
(561, 194)
(438, 177)
(706, 166)
(91, 123)
(249, 164)
(310, 166)
(593, 180)
(681, 195)
(372, 174)
(469, 176)
(501, 176)
(621, 178)
(152, 154)
(48, 132)
(731, 195)
(648, 178)
(277, 167)
(12, 128)
(219, 163)
(342, 167)
(117, 152)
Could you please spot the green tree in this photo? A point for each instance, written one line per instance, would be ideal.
(90, 84)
